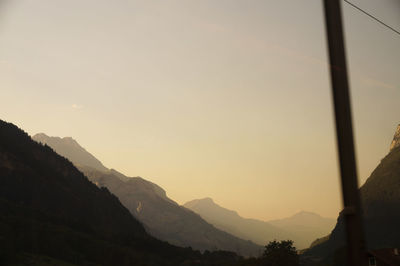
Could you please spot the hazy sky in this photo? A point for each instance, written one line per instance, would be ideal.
(209, 98)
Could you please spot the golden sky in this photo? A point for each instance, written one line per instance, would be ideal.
(222, 99)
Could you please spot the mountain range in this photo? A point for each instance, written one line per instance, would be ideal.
(215, 228)
(51, 214)
(162, 217)
(380, 198)
(302, 228)
(55, 213)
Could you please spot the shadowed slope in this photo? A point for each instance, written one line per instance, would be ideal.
(37, 177)
(167, 220)
(380, 196)
(163, 217)
(50, 209)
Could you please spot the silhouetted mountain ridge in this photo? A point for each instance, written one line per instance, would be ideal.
(306, 219)
(162, 217)
(302, 228)
(69, 148)
(50, 208)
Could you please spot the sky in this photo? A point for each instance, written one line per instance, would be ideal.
(225, 99)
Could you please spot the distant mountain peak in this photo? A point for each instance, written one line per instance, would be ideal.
(70, 148)
(149, 203)
(208, 205)
(70, 140)
(40, 135)
(306, 213)
(207, 200)
(396, 139)
(303, 227)
(43, 136)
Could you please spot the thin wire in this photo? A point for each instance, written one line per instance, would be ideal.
(371, 16)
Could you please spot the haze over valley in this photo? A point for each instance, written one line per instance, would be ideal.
(196, 96)
(204, 133)
(35, 178)
(168, 221)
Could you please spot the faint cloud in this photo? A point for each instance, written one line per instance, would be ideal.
(76, 106)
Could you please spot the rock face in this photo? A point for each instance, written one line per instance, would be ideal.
(161, 216)
(380, 197)
(396, 139)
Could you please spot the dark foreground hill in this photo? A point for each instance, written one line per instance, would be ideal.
(51, 214)
(380, 197)
(162, 217)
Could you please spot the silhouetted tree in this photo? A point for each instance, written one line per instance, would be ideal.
(280, 254)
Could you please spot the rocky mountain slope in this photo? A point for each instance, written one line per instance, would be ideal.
(50, 212)
(148, 202)
(69, 148)
(380, 197)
